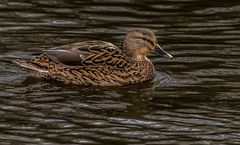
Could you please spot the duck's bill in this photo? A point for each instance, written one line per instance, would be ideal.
(159, 51)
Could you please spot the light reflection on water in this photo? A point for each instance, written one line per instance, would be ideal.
(194, 98)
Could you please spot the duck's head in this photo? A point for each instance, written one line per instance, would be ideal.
(139, 42)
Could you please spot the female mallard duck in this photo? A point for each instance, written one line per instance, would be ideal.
(99, 63)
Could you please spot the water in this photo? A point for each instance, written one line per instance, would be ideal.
(193, 100)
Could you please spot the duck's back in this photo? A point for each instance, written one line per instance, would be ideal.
(96, 63)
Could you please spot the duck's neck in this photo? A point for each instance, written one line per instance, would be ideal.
(126, 48)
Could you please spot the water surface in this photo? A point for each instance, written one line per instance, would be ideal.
(193, 100)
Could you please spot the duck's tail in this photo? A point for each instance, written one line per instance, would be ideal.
(35, 69)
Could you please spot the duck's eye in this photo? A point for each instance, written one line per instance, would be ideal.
(146, 39)
(149, 41)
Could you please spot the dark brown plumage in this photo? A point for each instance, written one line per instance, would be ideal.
(99, 63)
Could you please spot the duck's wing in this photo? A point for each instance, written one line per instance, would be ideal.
(89, 53)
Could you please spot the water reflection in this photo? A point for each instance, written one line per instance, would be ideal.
(193, 99)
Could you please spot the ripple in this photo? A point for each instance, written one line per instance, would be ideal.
(218, 10)
(194, 98)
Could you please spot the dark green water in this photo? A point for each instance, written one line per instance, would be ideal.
(195, 98)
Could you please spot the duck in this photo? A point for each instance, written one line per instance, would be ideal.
(99, 63)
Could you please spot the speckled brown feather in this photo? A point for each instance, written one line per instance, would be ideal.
(90, 63)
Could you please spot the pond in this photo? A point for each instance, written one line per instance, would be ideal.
(194, 99)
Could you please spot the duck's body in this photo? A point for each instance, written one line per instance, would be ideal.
(93, 63)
